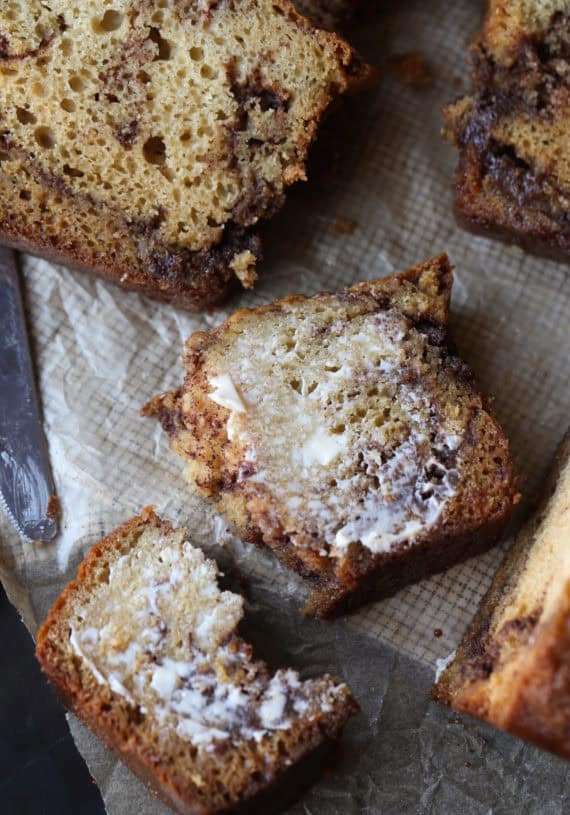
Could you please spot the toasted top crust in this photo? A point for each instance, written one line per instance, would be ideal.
(341, 428)
(143, 646)
(513, 667)
(182, 121)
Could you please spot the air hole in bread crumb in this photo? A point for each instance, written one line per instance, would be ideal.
(72, 171)
(41, 32)
(164, 46)
(154, 150)
(197, 54)
(296, 385)
(68, 105)
(338, 429)
(25, 117)
(25, 195)
(77, 84)
(186, 136)
(45, 137)
(110, 21)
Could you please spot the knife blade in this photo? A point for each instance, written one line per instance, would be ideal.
(26, 484)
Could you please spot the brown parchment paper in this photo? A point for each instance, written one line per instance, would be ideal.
(101, 353)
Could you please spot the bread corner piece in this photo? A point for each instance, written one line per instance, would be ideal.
(144, 140)
(343, 432)
(143, 648)
(513, 667)
(513, 178)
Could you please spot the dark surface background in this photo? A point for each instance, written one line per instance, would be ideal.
(40, 768)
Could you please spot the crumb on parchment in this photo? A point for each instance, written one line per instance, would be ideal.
(54, 508)
(344, 226)
(411, 69)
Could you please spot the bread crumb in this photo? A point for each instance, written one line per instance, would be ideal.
(411, 69)
(54, 508)
(243, 266)
(344, 226)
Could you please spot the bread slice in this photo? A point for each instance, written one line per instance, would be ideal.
(512, 130)
(343, 432)
(513, 667)
(144, 140)
(143, 647)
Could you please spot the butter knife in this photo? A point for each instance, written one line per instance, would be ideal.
(27, 491)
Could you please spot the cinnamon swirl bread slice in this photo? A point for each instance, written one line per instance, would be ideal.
(344, 432)
(513, 177)
(513, 667)
(144, 140)
(143, 647)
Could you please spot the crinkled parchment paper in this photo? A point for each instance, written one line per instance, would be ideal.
(101, 353)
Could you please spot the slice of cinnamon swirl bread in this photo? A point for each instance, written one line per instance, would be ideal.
(144, 140)
(143, 647)
(343, 432)
(512, 130)
(513, 667)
